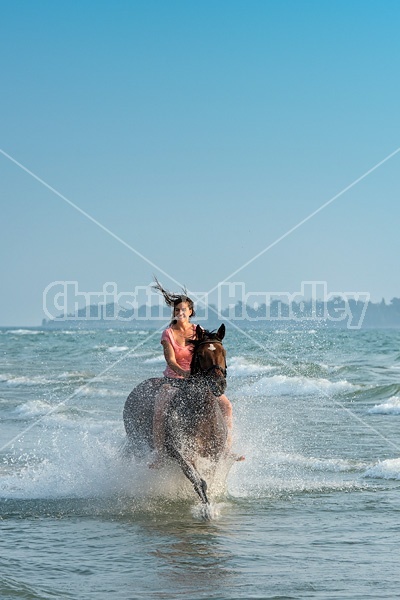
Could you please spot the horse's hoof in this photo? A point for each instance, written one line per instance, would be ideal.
(206, 512)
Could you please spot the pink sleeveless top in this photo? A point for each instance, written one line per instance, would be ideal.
(183, 354)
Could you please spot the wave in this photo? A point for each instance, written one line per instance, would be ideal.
(283, 385)
(115, 349)
(66, 376)
(88, 390)
(382, 392)
(128, 331)
(386, 469)
(34, 409)
(76, 375)
(75, 331)
(24, 380)
(268, 473)
(331, 465)
(69, 417)
(242, 367)
(24, 332)
(391, 407)
(155, 359)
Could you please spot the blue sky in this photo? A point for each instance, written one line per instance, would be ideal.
(199, 133)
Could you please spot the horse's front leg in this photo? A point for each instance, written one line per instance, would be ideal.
(190, 471)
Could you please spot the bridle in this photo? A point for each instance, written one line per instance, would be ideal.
(216, 368)
(213, 367)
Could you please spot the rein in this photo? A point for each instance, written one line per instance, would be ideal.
(216, 368)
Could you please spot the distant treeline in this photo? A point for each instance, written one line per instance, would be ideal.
(337, 312)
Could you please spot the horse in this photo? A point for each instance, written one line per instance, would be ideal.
(194, 424)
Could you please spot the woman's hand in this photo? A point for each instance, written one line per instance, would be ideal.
(171, 360)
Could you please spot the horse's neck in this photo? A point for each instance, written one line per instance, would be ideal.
(196, 391)
(197, 385)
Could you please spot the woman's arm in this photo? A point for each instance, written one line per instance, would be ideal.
(171, 359)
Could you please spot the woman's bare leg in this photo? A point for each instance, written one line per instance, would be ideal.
(226, 409)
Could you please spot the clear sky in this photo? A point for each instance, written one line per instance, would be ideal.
(198, 133)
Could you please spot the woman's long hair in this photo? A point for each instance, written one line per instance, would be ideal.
(172, 299)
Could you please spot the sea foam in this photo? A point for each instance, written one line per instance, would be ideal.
(241, 367)
(283, 385)
(24, 332)
(115, 349)
(24, 380)
(386, 469)
(390, 407)
(154, 359)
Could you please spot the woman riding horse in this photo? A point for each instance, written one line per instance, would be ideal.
(178, 348)
(194, 424)
(192, 421)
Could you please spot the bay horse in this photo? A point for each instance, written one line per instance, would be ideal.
(194, 423)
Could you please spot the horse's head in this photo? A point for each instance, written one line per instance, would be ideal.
(209, 358)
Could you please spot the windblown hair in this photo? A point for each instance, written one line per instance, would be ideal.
(172, 299)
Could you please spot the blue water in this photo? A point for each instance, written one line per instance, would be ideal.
(312, 513)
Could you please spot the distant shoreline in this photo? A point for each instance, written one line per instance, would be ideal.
(333, 314)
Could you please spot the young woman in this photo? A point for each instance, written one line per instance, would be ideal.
(178, 355)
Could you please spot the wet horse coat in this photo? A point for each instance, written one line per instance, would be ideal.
(194, 424)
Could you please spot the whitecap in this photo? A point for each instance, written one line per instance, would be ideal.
(79, 331)
(327, 368)
(68, 332)
(386, 469)
(88, 390)
(114, 349)
(240, 367)
(32, 409)
(282, 385)
(390, 407)
(24, 332)
(330, 465)
(75, 375)
(135, 332)
(23, 380)
(155, 359)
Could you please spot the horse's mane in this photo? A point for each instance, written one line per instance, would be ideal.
(207, 336)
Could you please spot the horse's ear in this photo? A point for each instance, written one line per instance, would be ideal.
(221, 332)
(199, 332)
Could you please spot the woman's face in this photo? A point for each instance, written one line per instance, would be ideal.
(182, 311)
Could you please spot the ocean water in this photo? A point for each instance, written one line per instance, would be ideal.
(313, 512)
